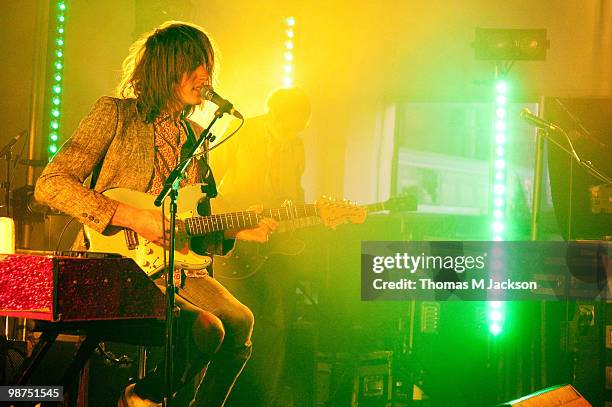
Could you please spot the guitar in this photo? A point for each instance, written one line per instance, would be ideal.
(246, 258)
(150, 256)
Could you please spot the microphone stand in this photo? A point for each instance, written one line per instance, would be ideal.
(6, 185)
(171, 189)
(6, 152)
(587, 165)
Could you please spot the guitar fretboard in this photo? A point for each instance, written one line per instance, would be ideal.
(375, 207)
(304, 222)
(201, 225)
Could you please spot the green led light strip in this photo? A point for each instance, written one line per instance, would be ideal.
(500, 136)
(495, 316)
(289, 45)
(496, 312)
(57, 69)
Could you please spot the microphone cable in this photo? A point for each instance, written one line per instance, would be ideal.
(206, 150)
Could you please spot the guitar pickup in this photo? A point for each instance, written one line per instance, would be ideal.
(131, 239)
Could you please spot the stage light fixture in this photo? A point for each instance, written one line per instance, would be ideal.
(501, 44)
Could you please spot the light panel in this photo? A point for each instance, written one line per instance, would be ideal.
(496, 309)
(58, 14)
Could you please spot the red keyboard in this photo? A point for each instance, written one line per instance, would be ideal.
(63, 288)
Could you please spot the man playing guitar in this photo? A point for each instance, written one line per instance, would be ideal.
(133, 142)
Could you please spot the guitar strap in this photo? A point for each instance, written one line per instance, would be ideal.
(95, 173)
(206, 174)
(83, 241)
(214, 243)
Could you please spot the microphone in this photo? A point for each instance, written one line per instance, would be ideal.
(537, 121)
(8, 146)
(224, 105)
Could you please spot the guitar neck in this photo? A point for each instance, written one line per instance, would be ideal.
(375, 207)
(309, 221)
(296, 224)
(201, 225)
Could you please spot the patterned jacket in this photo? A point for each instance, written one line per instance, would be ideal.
(112, 132)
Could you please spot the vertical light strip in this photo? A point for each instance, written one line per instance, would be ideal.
(57, 69)
(288, 52)
(496, 309)
(498, 223)
(495, 316)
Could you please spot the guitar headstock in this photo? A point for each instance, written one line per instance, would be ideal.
(334, 212)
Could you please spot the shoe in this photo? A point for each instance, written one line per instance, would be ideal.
(130, 399)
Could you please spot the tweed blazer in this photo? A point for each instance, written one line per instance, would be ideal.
(112, 133)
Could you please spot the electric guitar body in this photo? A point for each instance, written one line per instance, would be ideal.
(149, 256)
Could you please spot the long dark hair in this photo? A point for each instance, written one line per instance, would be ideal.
(156, 63)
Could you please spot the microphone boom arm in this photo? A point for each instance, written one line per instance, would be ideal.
(548, 126)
